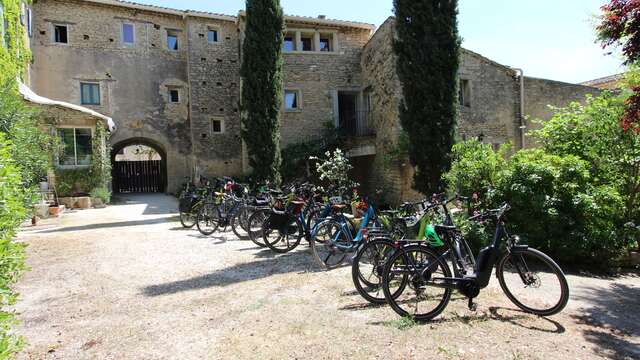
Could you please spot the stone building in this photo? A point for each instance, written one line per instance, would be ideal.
(170, 79)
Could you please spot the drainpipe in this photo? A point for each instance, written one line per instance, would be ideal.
(523, 124)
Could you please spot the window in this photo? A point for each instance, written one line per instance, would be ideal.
(128, 34)
(306, 42)
(325, 43)
(464, 93)
(172, 40)
(61, 34)
(29, 22)
(290, 42)
(291, 100)
(76, 146)
(89, 94)
(212, 35)
(174, 95)
(217, 126)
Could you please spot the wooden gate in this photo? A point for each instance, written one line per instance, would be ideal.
(139, 176)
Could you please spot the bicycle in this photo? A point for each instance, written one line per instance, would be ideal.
(421, 275)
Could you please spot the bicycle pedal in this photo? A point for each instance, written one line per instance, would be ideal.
(472, 306)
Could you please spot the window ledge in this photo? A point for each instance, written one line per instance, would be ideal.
(72, 167)
(293, 110)
(312, 53)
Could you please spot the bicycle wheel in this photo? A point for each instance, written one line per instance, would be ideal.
(533, 282)
(417, 299)
(188, 220)
(367, 269)
(323, 244)
(207, 220)
(239, 224)
(256, 220)
(285, 239)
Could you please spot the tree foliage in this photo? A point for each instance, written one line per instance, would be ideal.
(620, 26)
(262, 86)
(334, 171)
(427, 46)
(570, 198)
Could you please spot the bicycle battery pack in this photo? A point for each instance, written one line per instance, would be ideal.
(484, 265)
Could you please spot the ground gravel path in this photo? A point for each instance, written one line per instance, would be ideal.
(127, 282)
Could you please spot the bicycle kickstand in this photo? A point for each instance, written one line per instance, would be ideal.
(472, 306)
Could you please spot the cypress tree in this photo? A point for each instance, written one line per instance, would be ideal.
(262, 86)
(427, 46)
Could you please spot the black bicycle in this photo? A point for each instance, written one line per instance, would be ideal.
(417, 281)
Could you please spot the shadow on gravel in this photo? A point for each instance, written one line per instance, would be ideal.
(614, 320)
(156, 204)
(113, 225)
(283, 264)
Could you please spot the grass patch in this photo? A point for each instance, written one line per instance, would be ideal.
(403, 323)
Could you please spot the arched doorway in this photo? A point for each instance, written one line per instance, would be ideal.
(139, 165)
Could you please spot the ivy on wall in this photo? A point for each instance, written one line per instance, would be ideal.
(14, 50)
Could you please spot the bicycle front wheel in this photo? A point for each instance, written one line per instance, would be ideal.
(256, 221)
(188, 220)
(285, 239)
(533, 282)
(367, 269)
(324, 245)
(207, 220)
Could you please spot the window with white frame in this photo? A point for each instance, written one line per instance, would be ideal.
(292, 100)
(217, 125)
(60, 34)
(128, 34)
(212, 35)
(76, 146)
(89, 93)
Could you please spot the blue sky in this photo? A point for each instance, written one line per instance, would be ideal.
(551, 39)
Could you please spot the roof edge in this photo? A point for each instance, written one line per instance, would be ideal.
(163, 10)
(318, 21)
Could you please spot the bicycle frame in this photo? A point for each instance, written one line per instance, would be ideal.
(353, 243)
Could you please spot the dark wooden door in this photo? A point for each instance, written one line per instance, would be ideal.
(139, 176)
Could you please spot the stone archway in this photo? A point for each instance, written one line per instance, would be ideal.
(137, 174)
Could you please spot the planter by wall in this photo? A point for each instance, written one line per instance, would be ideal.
(80, 202)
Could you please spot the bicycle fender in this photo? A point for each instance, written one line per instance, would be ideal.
(516, 249)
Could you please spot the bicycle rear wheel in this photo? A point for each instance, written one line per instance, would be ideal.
(323, 245)
(367, 269)
(533, 282)
(207, 220)
(418, 298)
(285, 239)
(256, 221)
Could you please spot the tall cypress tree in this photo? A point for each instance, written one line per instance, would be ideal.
(427, 46)
(262, 86)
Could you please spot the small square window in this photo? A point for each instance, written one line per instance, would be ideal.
(172, 40)
(217, 126)
(128, 34)
(89, 94)
(61, 34)
(289, 42)
(212, 35)
(291, 100)
(174, 95)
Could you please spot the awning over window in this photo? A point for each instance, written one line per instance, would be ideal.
(30, 96)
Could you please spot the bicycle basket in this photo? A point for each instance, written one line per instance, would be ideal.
(186, 203)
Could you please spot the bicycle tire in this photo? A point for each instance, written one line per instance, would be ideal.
(369, 290)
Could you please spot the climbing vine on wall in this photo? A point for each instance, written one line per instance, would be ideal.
(14, 52)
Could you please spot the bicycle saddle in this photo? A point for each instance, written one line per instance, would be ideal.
(445, 227)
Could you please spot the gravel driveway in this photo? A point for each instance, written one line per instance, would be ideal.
(127, 282)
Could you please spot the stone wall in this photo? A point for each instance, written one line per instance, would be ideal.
(214, 78)
(317, 76)
(540, 94)
(133, 80)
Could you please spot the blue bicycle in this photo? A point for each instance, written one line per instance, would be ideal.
(332, 240)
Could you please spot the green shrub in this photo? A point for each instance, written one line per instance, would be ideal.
(12, 212)
(73, 182)
(101, 193)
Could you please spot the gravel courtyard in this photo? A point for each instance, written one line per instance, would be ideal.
(127, 282)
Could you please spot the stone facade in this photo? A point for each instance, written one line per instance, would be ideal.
(185, 102)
